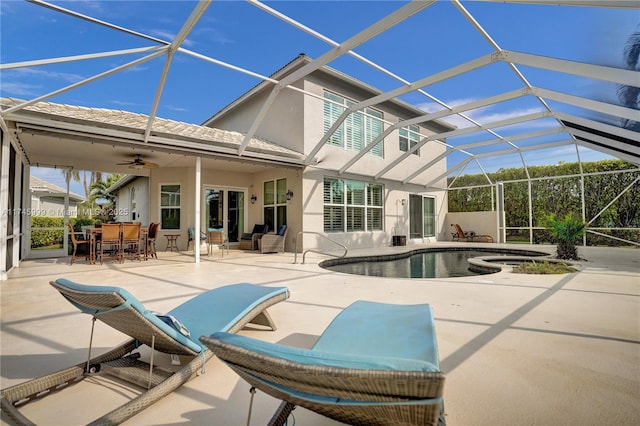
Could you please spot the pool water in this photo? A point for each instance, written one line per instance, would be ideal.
(418, 264)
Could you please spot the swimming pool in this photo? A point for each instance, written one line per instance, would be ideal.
(422, 263)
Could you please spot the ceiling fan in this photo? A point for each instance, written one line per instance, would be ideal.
(138, 163)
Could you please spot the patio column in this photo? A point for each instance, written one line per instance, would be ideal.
(196, 236)
(4, 204)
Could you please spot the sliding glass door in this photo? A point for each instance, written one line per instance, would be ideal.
(225, 209)
(422, 216)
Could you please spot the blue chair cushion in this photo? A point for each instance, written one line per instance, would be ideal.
(326, 359)
(215, 310)
(282, 230)
(406, 330)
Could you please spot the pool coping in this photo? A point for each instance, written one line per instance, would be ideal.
(480, 264)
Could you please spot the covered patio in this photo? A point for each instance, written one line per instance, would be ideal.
(516, 349)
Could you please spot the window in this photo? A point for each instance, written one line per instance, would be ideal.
(352, 206)
(357, 130)
(409, 137)
(170, 206)
(275, 203)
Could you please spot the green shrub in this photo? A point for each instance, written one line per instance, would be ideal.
(567, 232)
(46, 237)
(544, 267)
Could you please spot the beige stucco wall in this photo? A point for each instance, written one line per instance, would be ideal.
(334, 158)
(51, 207)
(396, 220)
(123, 202)
(285, 113)
(251, 183)
(296, 121)
(482, 223)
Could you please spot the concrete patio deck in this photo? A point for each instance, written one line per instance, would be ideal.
(516, 349)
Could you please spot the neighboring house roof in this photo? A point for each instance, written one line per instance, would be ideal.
(42, 188)
(172, 134)
(122, 182)
(302, 60)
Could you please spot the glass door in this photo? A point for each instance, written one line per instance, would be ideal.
(225, 210)
(422, 216)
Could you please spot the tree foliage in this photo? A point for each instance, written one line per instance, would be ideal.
(560, 196)
(567, 232)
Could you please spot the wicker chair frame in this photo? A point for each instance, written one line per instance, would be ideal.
(119, 360)
(367, 397)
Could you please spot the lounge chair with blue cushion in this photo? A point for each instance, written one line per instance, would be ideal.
(227, 309)
(376, 364)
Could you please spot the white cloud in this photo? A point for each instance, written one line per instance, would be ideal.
(48, 75)
(484, 115)
(20, 89)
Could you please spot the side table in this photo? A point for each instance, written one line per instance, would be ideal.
(172, 242)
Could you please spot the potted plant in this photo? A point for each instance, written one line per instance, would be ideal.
(567, 232)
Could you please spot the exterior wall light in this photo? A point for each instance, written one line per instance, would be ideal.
(404, 201)
(289, 195)
(254, 199)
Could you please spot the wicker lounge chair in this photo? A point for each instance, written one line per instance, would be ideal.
(376, 364)
(470, 236)
(227, 308)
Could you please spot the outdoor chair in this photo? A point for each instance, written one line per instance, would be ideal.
(83, 245)
(470, 236)
(273, 242)
(131, 240)
(111, 237)
(217, 238)
(192, 232)
(249, 240)
(376, 364)
(227, 308)
(152, 235)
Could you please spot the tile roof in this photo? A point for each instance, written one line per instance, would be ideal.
(137, 123)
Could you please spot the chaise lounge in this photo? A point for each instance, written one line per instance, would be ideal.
(376, 364)
(227, 308)
(470, 236)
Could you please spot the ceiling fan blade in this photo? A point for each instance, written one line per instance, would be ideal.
(148, 165)
(125, 164)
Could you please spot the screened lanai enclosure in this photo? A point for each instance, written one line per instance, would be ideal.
(538, 100)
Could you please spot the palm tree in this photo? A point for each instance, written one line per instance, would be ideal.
(630, 95)
(567, 232)
(99, 192)
(94, 177)
(99, 189)
(71, 174)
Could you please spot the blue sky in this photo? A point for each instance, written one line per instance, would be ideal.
(239, 33)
